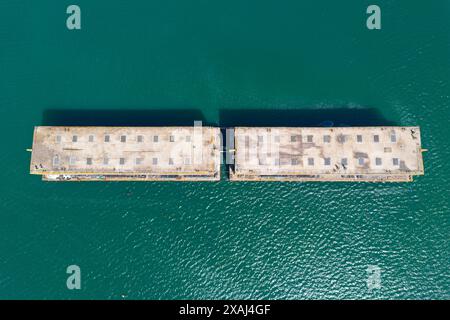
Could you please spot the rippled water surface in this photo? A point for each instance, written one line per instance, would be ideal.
(227, 63)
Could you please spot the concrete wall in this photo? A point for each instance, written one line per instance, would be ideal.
(260, 153)
(137, 153)
(328, 154)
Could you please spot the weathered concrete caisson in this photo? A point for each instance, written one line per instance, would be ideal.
(327, 154)
(379, 154)
(126, 153)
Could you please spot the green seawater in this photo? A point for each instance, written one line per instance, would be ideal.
(226, 63)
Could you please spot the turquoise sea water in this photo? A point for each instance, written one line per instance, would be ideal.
(228, 63)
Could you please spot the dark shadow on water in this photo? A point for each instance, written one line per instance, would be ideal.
(336, 117)
(124, 117)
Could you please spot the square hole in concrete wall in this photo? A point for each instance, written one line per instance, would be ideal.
(155, 138)
(327, 161)
(91, 138)
(138, 161)
(55, 160)
(107, 138)
(123, 138)
(74, 138)
(344, 161)
(310, 161)
(171, 161)
(122, 161)
(378, 161)
(105, 161)
(326, 139)
(294, 161)
(395, 161)
(293, 138)
(155, 161)
(393, 137)
(376, 138)
(361, 161)
(140, 138)
(309, 138)
(89, 161)
(341, 138)
(359, 138)
(172, 138)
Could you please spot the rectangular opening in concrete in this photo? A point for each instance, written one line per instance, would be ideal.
(359, 138)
